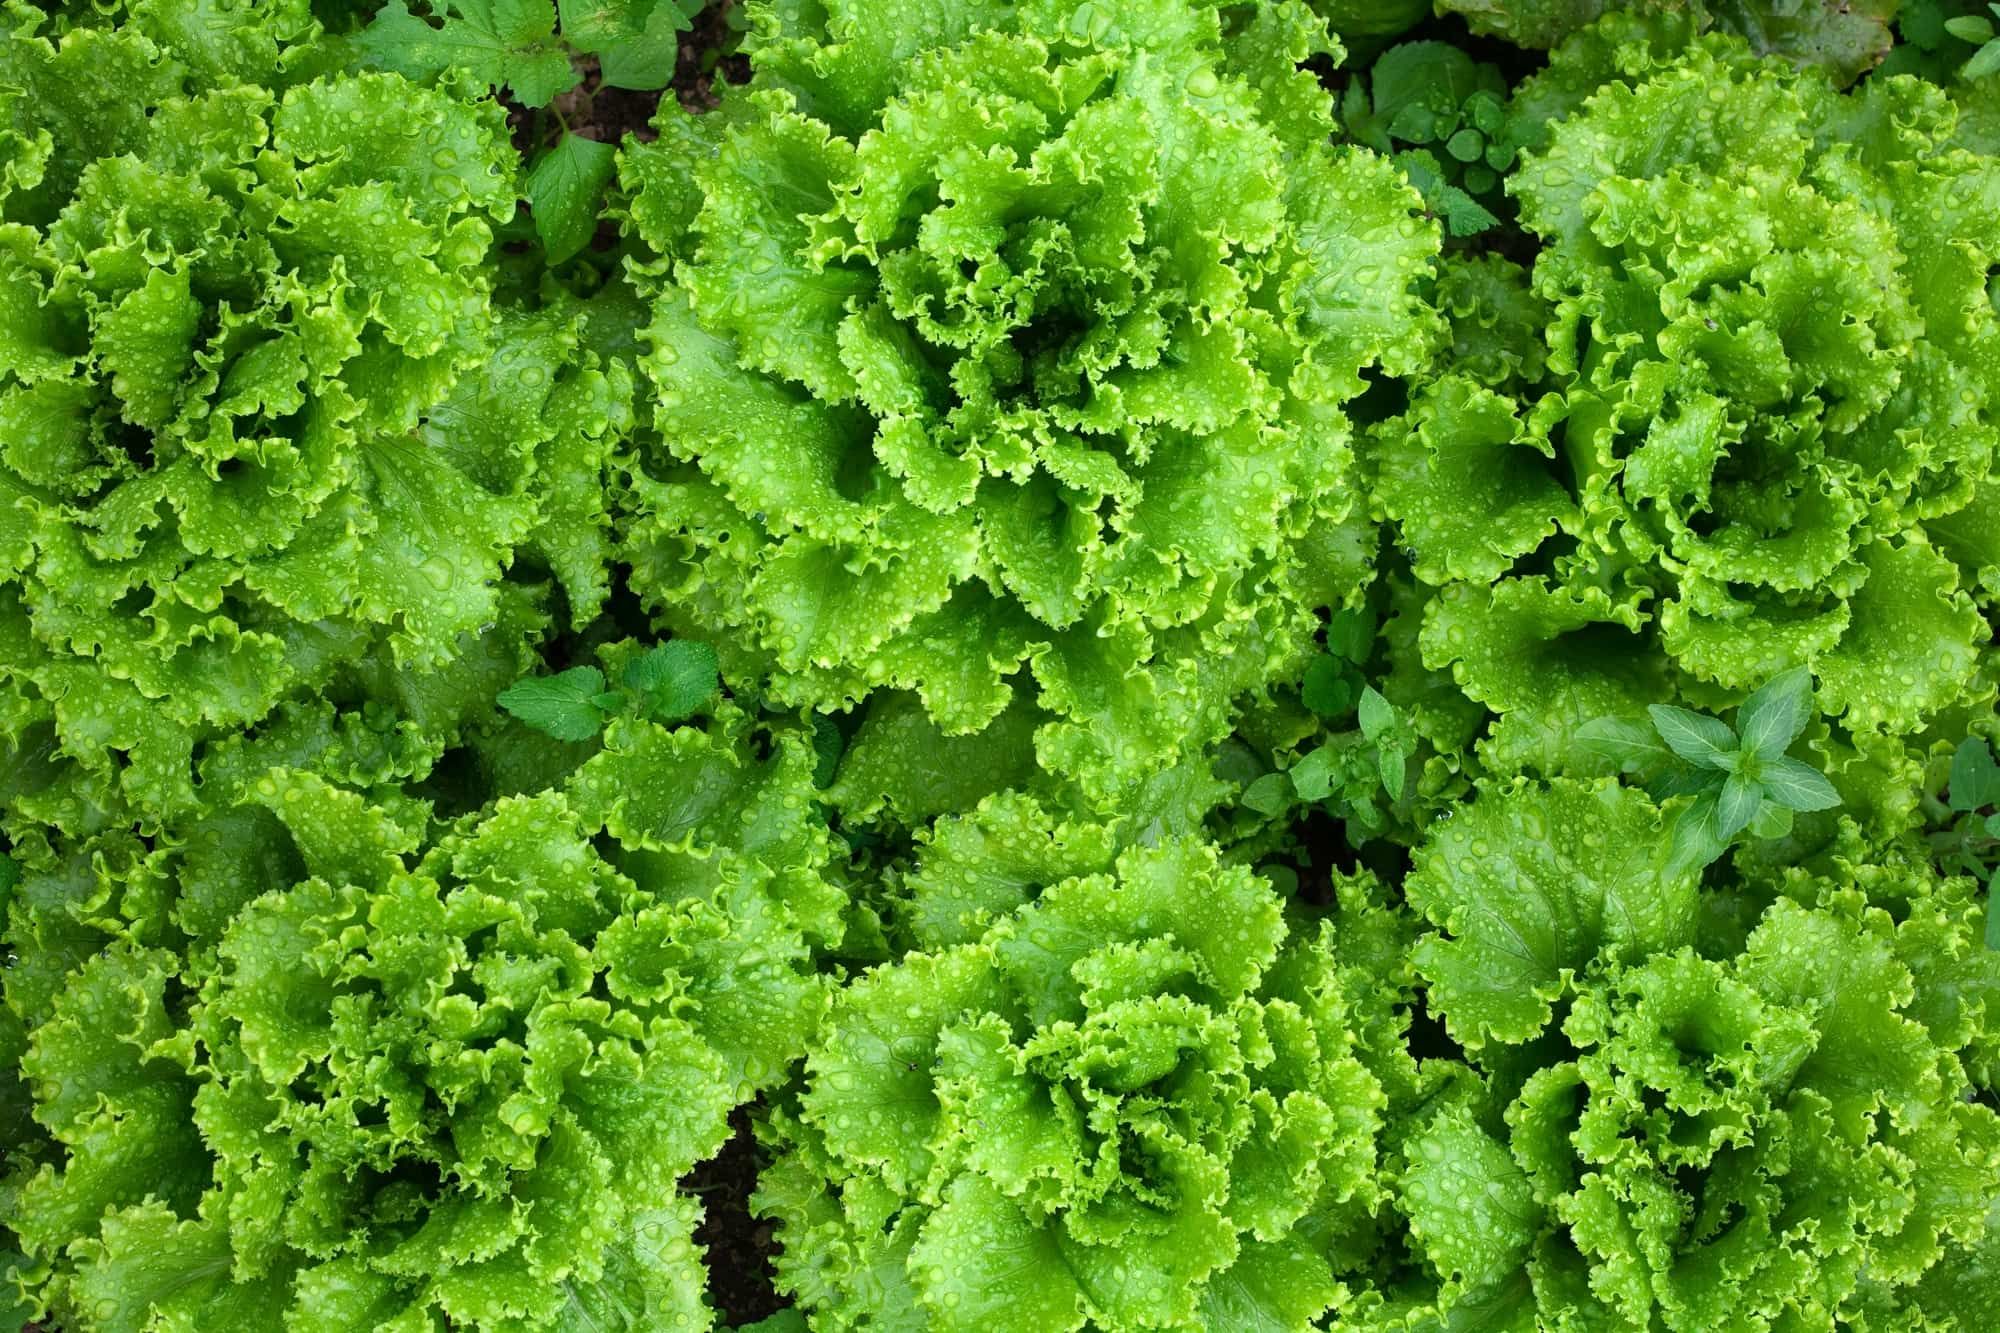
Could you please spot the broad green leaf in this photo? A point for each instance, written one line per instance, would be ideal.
(1772, 718)
(1328, 686)
(1312, 776)
(1270, 794)
(1984, 63)
(1737, 804)
(1703, 741)
(1797, 785)
(564, 191)
(1698, 838)
(1974, 783)
(563, 705)
(675, 679)
(1377, 716)
(1627, 742)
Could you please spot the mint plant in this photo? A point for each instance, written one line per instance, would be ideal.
(1740, 777)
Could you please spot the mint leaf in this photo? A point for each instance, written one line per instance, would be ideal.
(1737, 805)
(1695, 738)
(1772, 821)
(1975, 778)
(563, 705)
(1625, 742)
(1797, 785)
(1697, 836)
(563, 192)
(1772, 718)
(675, 679)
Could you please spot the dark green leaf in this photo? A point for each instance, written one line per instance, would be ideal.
(1975, 778)
(1270, 794)
(1351, 634)
(10, 875)
(1463, 215)
(1737, 805)
(1467, 145)
(1695, 738)
(1312, 776)
(646, 59)
(563, 705)
(675, 679)
(1329, 686)
(1391, 759)
(564, 190)
(827, 749)
(1772, 718)
(1697, 838)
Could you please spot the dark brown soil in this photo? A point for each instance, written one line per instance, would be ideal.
(739, 1246)
(703, 60)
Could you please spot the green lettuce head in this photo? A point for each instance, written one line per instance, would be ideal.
(1774, 1141)
(261, 419)
(450, 1073)
(1001, 334)
(1133, 1103)
(1771, 386)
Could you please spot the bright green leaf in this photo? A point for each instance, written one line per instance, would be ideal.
(563, 705)
(564, 190)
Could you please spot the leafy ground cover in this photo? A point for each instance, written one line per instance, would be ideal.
(1004, 665)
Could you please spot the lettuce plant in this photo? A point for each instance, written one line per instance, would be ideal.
(1769, 369)
(262, 414)
(1768, 1141)
(1026, 705)
(1132, 1103)
(1013, 338)
(453, 1071)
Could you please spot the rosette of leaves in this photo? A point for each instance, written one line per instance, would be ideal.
(1770, 369)
(262, 421)
(1000, 351)
(1132, 1103)
(453, 1072)
(1443, 116)
(1772, 1140)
